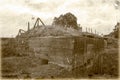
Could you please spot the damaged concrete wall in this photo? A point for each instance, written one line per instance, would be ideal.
(58, 50)
(66, 51)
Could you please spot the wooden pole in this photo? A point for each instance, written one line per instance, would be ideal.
(91, 30)
(95, 31)
(86, 29)
(28, 26)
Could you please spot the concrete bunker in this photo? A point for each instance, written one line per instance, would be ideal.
(66, 51)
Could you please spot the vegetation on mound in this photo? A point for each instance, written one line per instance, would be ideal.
(9, 48)
(115, 32)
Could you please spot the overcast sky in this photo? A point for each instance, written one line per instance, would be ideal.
(101, 15)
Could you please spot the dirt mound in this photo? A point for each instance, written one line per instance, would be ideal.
(42, 31)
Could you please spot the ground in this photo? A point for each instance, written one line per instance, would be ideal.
(24, 66)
